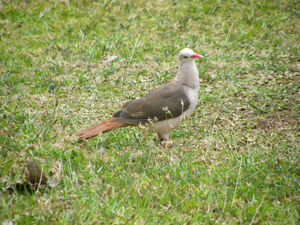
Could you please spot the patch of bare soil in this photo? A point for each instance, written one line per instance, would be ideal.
(295, 67)
(280, 120)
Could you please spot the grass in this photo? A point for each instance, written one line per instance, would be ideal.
(235, 161)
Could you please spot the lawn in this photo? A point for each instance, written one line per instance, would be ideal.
(66, 65)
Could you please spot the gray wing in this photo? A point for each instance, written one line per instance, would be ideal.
(152, 104)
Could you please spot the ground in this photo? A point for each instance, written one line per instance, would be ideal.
(234, 161)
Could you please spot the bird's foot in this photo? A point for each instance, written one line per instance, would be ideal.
(165, 143)
(160, 137)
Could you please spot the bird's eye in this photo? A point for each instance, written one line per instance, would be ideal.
(185, 57)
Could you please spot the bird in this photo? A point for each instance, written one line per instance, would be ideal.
(162, 109)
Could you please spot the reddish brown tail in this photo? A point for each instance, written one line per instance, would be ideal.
(103, 127)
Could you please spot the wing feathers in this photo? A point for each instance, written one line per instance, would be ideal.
(152, 105)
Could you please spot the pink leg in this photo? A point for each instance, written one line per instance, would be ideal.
(165, 140)
(160, 137)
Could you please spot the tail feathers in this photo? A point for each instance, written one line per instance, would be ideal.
(95, 130)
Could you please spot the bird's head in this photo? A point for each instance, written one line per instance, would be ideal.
(187, 55)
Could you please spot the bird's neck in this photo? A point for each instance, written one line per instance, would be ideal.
(187, 74)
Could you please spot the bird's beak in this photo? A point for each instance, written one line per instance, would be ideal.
(197, 56)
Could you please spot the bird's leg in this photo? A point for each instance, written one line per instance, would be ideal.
(160, 138)
(164, 142)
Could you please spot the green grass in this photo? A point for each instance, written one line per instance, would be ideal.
(235, 161)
